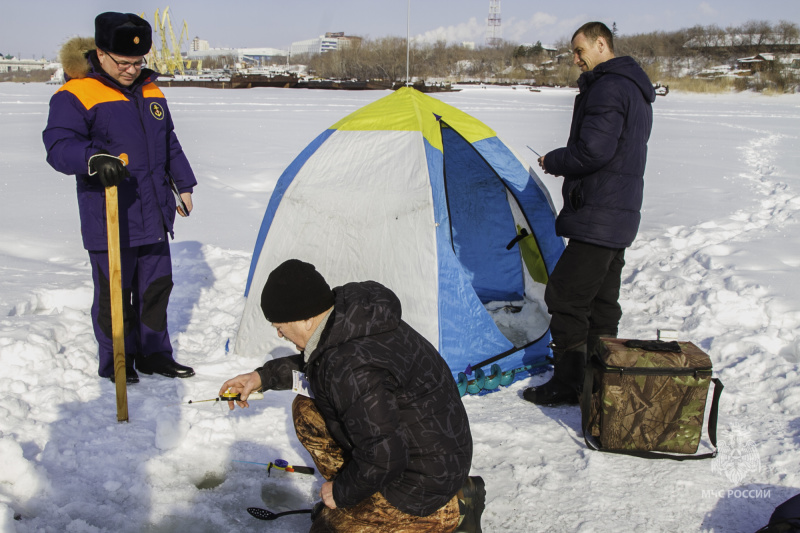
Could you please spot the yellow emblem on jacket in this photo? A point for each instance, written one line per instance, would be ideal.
(156, 110)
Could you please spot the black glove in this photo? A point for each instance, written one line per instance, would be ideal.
(108, 169)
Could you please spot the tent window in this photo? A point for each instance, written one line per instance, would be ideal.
(482, 225)
(481, 221)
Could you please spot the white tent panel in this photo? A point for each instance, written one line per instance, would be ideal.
(359, 209)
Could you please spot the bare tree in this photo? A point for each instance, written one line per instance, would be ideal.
(755, 33)
(667, 54)
(788, 33)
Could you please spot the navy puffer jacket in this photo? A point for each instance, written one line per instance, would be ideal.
(388, 399)
(604, 160)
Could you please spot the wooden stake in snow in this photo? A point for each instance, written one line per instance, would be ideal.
(115, 281)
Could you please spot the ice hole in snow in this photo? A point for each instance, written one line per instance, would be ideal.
(211, 480)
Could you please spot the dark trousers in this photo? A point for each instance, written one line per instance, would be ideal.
(582, 294)
(146, 286)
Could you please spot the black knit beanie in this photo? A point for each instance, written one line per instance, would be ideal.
(125, 34)
(295, 291)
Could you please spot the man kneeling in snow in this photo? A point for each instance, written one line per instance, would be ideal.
(386, 426)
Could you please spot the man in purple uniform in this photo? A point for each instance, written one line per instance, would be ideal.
(109, 125)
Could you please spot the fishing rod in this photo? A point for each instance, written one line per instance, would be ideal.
(534, 151)
(281, 464)
(231, 397)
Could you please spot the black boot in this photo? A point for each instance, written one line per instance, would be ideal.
(565, 386)
(163, 365)
(551, 394)
(471, 502)
(316, 511)
(130, 374)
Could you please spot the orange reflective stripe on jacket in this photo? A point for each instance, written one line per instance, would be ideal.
(151, 90)
(91, 92)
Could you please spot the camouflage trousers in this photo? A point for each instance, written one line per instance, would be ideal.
(374, 514)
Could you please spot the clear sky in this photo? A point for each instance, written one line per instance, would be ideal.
(36, 28)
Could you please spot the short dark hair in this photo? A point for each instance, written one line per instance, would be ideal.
(593, 30)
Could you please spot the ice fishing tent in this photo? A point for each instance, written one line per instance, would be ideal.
(417, 195)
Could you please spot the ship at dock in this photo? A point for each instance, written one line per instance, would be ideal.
(260, 77)
(242, 79)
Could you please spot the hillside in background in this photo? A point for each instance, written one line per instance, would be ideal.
(758, 55)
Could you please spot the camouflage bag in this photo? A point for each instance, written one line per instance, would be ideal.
(648, 398)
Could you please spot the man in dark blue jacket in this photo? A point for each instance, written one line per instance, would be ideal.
(386, 426)
(603, 168)
(109, 125)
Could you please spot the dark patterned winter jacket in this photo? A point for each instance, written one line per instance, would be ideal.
(91, 112)
(388, 399)
(604, 160)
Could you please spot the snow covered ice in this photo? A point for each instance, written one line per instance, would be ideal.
(716, 259)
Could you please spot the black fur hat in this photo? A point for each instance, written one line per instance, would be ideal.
(295, 291)
(125, 34)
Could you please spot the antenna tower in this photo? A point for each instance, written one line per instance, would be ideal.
(493, 24)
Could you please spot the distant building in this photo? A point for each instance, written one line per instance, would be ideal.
(199, 45)
(546, 49)
(262, 56)
(757, 63)
(247, 56)
(324, 43)
(26, 65)
(468, 45)
(790, 60)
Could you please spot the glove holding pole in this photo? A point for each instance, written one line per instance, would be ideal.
(109, 169)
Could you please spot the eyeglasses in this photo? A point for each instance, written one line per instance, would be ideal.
(125, 65)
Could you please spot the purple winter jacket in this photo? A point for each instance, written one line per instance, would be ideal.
(91, 112)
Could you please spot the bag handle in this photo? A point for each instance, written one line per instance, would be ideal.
(586, 408)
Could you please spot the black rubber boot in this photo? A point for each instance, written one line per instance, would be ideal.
(471, 502)
(164, 366)
(551, 394)
(130, 374)
(565, 386)
(316, 511)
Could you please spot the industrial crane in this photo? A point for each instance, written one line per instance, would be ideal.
(167, 60)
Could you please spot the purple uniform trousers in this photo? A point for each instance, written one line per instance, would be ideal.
(146, 286)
